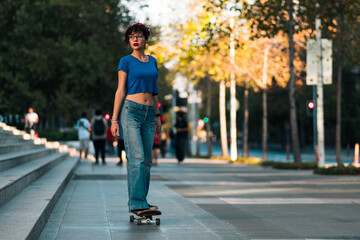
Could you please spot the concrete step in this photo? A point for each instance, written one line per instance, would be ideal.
(10, 140)
(10, 160)
(7, 135)
(24, 216)
(5, 132)
(14, 180)
(19, 134)
(18, 147)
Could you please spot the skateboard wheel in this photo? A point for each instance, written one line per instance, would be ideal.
(158, 221)
(138, 221)
(132, 218)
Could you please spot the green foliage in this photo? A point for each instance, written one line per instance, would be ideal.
(204, 43)
(284, 165)
(268, 18)
(60, 56)
(342, 170)
(340, 22)
(55, 135)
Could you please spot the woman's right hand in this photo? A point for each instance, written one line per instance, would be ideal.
(115, 129)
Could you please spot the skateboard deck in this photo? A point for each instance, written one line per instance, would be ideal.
(145, 216)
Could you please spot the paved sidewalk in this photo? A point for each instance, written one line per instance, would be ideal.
(97, 209)
(208, 199)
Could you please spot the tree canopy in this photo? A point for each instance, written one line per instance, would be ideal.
(60, 56)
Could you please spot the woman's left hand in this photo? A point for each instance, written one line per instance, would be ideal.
(157, 125)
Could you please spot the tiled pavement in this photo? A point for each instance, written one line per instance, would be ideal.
(206, 199)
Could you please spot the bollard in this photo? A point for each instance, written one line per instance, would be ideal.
(356, 155)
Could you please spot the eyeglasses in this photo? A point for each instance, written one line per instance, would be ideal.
(136, 37)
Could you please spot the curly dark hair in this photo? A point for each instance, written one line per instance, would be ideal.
(137, 27)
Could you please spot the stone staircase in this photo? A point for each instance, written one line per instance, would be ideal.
(33, 175)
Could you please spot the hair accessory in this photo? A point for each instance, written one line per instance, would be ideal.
(140, 24)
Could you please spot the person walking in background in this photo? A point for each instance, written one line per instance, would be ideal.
(98, 130)
(155, 149)
(181, 131)
(172, 141)
(120, 147)
(31, 120)
(83, 126)
(164, 139)
(136, 100)
(109, 141)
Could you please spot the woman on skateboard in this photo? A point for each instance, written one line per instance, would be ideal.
(136, 102)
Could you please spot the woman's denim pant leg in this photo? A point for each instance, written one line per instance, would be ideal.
(138, 124)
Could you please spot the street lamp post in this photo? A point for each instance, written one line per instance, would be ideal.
(319, 100)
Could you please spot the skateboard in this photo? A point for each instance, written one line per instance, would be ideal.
(145, 216)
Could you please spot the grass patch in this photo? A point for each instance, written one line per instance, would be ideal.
(198, 156)
(341, 170)
(335, 170)
(243, 160)
(285, 165)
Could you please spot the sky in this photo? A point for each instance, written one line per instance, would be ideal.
(161, 12)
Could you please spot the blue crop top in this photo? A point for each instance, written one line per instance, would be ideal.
(141, 76)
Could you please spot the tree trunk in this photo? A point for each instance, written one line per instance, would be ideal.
(246, 120)
(198, 140)
(222, 110)
(233, 108)
(292, 100)
(338, 94)
(264, 138)
(208, 114)
(264, 93)
(338, 112)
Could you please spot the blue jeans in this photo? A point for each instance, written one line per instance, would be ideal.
(138, 125)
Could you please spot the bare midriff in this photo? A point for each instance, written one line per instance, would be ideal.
(144, 98)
